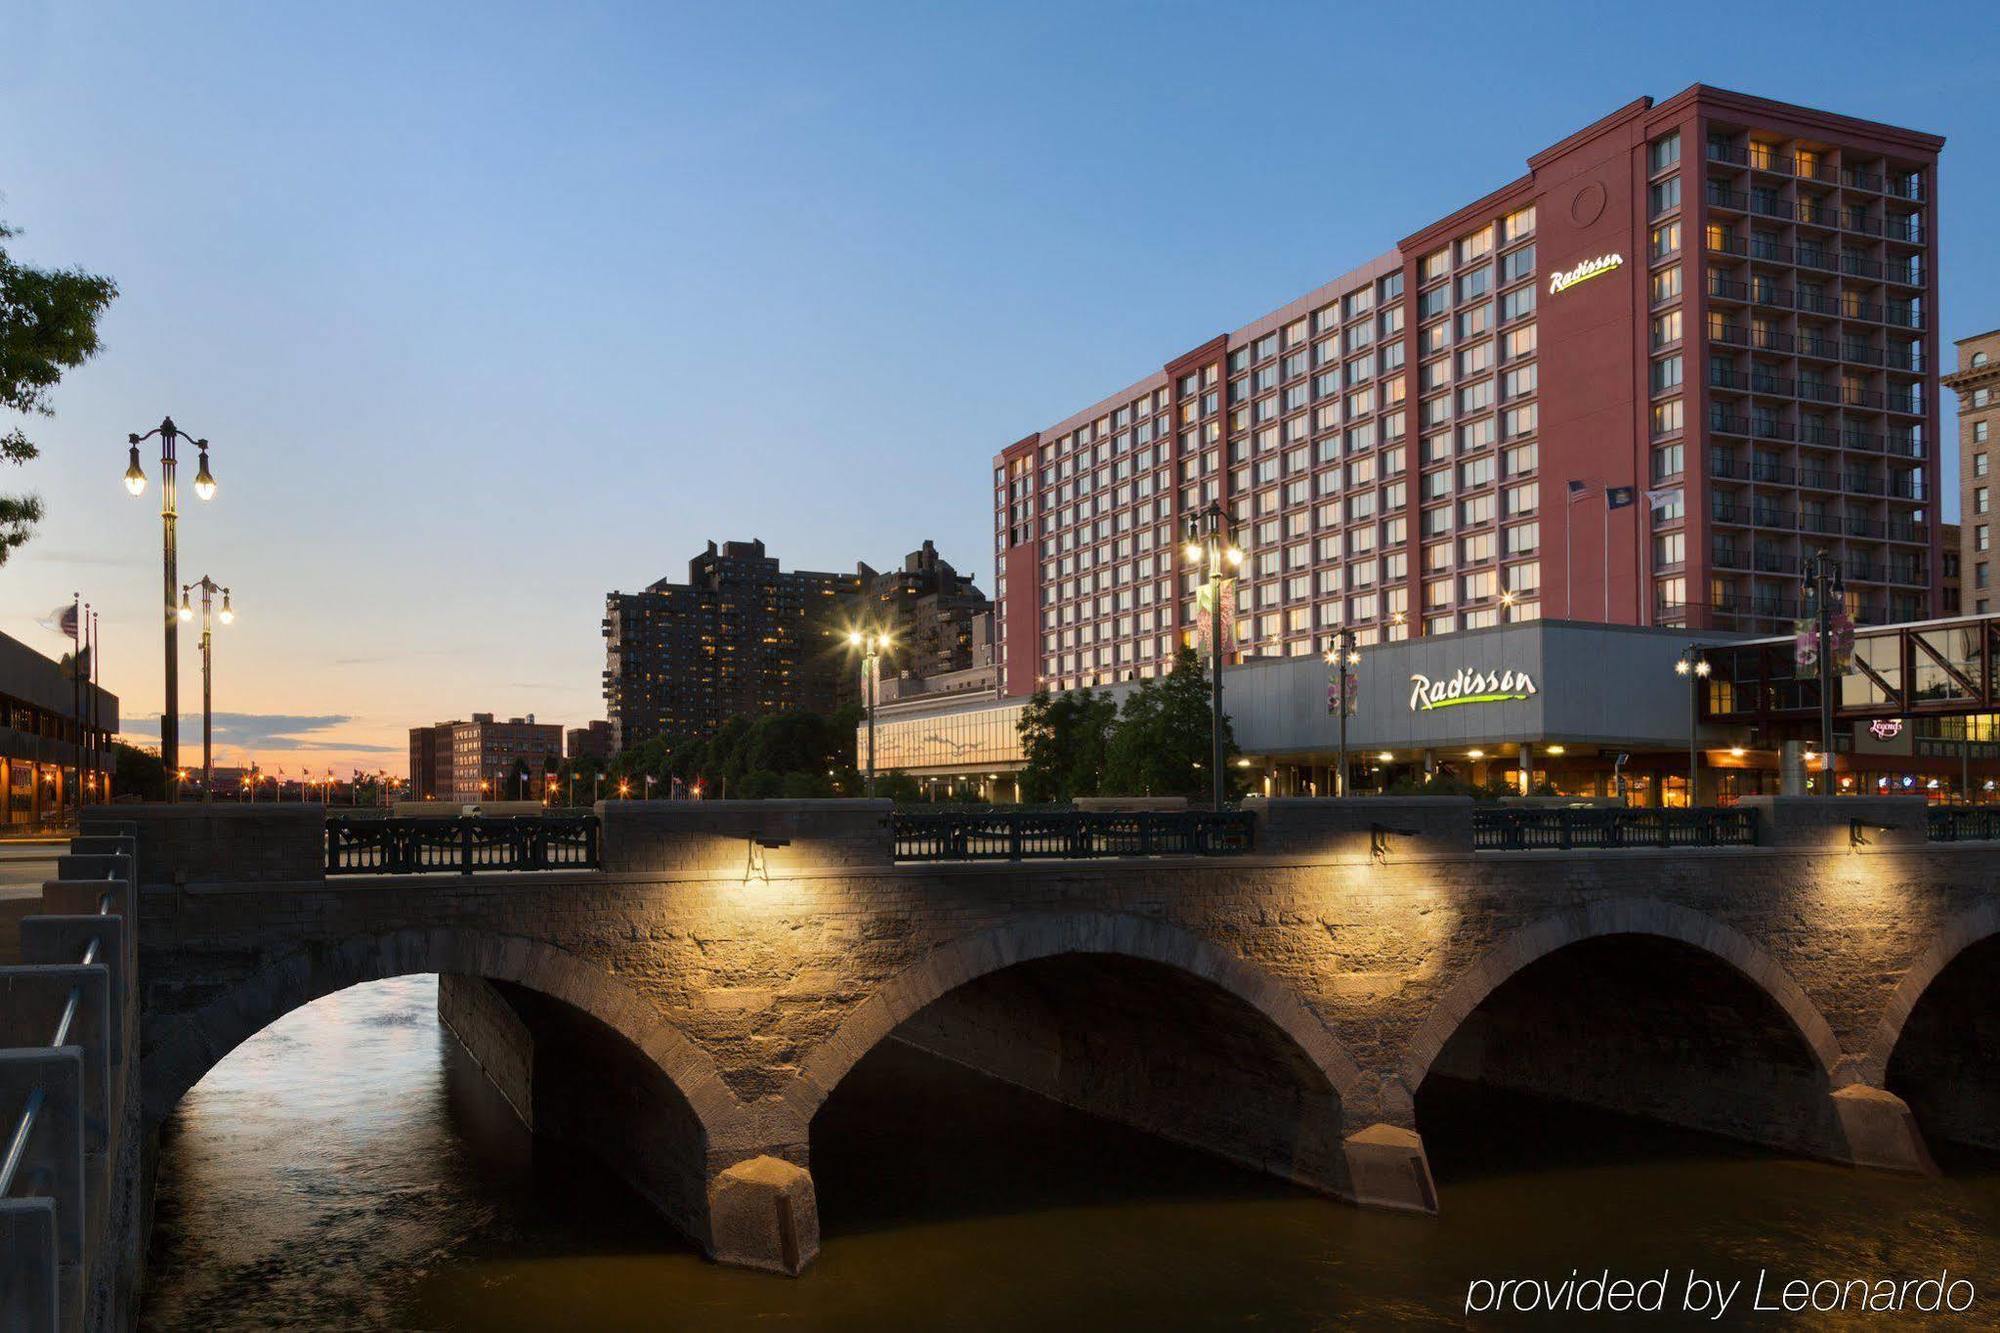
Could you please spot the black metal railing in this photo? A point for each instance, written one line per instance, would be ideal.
(356, 846)
(1514, 828)
(1016, 835)
(1962, 823)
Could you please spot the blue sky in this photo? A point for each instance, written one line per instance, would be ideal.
(489, 309)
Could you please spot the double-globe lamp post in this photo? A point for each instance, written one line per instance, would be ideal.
(209, 587)
(1695, 667)
(204, 486)
(871, 643)
(1209, 547)
(1342, 659)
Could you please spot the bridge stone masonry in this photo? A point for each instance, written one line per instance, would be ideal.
(686, 1010)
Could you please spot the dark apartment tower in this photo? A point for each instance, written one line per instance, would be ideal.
(740, 638)
(929, 609)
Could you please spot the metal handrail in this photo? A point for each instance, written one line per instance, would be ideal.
(1015, 835)
(1567, 828)
(464, 844)
(17, 1143)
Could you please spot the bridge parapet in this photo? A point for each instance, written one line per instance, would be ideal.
(1362, 828)
(219, 844)
(1834, 823)
(732, 837)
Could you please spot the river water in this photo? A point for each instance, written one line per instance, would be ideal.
(349, 1168)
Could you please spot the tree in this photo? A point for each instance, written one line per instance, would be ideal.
(1065, 739)
(1161, 743)
(137, 774)
(48, 325)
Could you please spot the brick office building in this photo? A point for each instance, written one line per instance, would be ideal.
(1720, 306)
(1977, 384)
(482, 758)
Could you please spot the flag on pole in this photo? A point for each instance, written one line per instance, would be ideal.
(1666, 497)
(1578, 489)
(61, 621)
(1619, 497)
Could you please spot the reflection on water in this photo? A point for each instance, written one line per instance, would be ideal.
(349, 1168)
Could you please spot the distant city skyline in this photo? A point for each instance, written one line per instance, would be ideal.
(485, 316)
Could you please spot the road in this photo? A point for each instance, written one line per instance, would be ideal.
(23, 867)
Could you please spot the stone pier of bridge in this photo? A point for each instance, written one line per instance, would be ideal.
(685, 1010)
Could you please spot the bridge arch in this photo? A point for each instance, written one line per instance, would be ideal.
(960, 962)
(182, 1047)
(1959, 934)
(1624, 916)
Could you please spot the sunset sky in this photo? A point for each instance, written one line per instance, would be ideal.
(487, 310)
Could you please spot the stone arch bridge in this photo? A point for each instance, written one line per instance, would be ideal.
(689, 1007)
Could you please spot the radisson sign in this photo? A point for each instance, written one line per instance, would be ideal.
(1468, 687)
(1584, 272)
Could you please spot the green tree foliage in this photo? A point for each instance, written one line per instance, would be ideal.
(137, 774)
(1161, 743)
(796, 755)
(1065, 739)
(48, 325)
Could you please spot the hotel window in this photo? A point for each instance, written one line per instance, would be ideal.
(1473, 360)
(1979, 465)
(1477, 509)
(1518, 343)
(1473, 285)
(1437, 522)
(1981, 537)
(1666, 284)
(1980, 500)
(1476, 397)
(1473, 322)
(1666, 240)
(1664, 196)
(1437, 593)
(1518, 383)
(1434, 266)
(1523, 500)
(1475, 472)
(1476, 246)
(1517, 224)
(1517, 264)
(1433, 338)
(1518, 421)
(1477, 434)
(1523, 539)
(1669, 550)
(1663, 153)
(1519, 459)
(1667, 373)
(1437, 485)
(1516, 304)
(1435, 374)
(1667, 461)
(1667, 418)
(1979, 431)
(1666, 329)
(1392, 286)
(1476, 549)
(1480, 586)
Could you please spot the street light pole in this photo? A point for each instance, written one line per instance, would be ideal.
(209, 587)
(1824, 585)
(872, 644)
(204, 486)
(1340, 657)
(1208, 541)
(1695, 667)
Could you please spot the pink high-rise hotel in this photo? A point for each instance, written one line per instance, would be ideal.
(1721, 307)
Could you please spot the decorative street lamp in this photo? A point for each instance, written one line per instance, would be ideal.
(1695, 667)
(1823, 588)
(1341, 659)
(209, 587)
(204, 486)
(872, 643)
(1209, 545)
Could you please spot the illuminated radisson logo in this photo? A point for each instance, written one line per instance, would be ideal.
(1469, 687)
(1584, 272)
